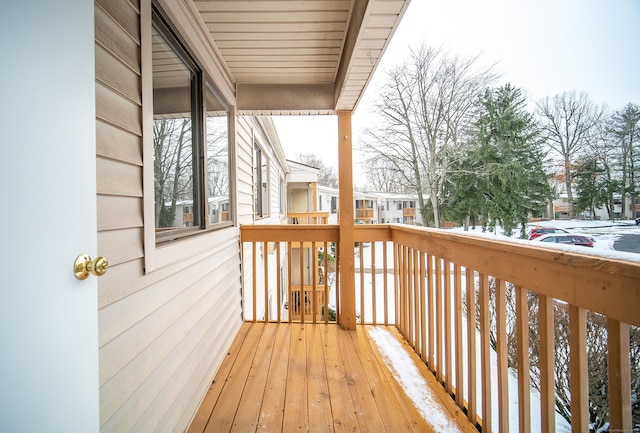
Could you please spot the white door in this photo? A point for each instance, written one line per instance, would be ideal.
(48, 318)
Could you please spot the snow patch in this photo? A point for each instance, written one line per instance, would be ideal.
(407, 374)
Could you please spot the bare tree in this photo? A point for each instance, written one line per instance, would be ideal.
(173, 167)
(327, 176)
(425, 108)
(569, 123)
(383, 176)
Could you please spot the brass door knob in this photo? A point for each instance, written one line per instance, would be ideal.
(84, 265)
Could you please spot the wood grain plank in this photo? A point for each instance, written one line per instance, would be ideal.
(366, 410)
(225, 410)
(391, 411)
(272, 411)
(296, 417)
(206, 407)
(341, 402)
(249, 408)
(320, 417)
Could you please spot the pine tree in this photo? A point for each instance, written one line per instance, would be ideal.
(502, 179)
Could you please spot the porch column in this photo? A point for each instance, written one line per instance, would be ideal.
(347, 318)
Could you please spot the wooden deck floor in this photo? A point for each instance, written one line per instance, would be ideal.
(311, 378)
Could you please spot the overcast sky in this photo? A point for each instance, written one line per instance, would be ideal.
(544, 47)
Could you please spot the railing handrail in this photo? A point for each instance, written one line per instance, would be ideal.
(601, 284)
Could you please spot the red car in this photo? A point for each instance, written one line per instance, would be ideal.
(539, 231)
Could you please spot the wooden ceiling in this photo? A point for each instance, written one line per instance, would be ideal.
(300, 56)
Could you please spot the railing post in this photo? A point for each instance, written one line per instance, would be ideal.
(347, 317)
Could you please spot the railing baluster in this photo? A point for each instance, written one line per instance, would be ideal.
(338, 271)
(447, 328)
(302, 297)
(290, 279)
(373, 282)
(361, 249)
(385, 283)
(265, 255)
(314, 285)
(439, 327)
(472, 409)
(325, 280)
(502, 355)
(254, 282)
(430, 313)
(416, 300)
(457, 302)
(547, 360)
(423, 308)
(278, 282)
(578, 365)
(619, 376)
(485, 353)
(524, 378)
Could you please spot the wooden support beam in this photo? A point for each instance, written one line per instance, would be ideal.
(347, 318)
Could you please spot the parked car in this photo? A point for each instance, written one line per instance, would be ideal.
(539, 231)
(638, 221)
(566, 239)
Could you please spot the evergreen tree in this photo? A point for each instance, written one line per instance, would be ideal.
(502, 179)
(591, 184)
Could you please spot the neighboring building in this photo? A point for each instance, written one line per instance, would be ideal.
(398, 208)
(365, 208)
(328, 199)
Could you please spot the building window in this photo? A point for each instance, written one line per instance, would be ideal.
(190, 140)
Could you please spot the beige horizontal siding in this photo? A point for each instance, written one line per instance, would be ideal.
(115, 143)
(118, 212)
(162, 334)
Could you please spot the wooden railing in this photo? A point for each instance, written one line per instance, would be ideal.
(425, 281)
(409, 212)
(365, 214)
(308, 217)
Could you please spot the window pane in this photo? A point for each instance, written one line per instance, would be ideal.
(173, 90)
(217, 157)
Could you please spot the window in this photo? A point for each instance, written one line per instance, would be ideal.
(261, 182)
(191, 146)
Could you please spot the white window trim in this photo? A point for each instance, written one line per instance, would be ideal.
(157, 256)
